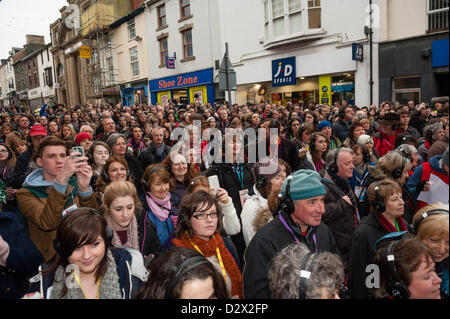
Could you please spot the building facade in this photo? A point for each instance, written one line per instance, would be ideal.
(414, 61)
(46, 75)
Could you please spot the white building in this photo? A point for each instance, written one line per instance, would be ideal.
(317, 35)
(46, 74)
(7, 79)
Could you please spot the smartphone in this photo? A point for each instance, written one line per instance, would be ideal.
(78, 149)
(214, 182)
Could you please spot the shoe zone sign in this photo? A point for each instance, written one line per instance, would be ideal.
(283, 72)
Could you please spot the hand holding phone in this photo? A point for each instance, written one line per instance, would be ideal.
(214, 182)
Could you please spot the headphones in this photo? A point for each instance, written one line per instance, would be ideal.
(305, 273)
(415, 226)
(398, 172)
(378, 203)
(312, 142)
(341, 113)
(185, 267)
(105, 176)
(365, 153)
(109, 231)
(333, 169)
(285, 202)
(395, 286)
(154, 169)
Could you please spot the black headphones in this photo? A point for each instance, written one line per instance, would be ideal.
(365, 153)
(334, 168)
(109, 231)
(415, 226)
(154, 169)
(395, 286)
(185, 267)
(404, 153)
(341, 113)
(398, 172)
(378, 203)
(312, 142)
(105, 176)
(305, 273)
(285, 203)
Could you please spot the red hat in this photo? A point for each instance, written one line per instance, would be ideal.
(38, 130)
(81, 136)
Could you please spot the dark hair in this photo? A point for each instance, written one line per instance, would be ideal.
(152, 173)
(189, 205)
(48, 141)
(164, 267)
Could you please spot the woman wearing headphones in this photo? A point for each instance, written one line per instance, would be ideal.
(121, 210)
(98, 154)
(361, 161)
(85, 265)
(114, 170)
(386, 211)
(431, 226)
(355, 131)
(159, 205)
(318, 149)
(406, 270)
(182, 273)
(7, 164)
(199, 226)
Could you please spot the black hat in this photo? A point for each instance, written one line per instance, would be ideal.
(391, 119)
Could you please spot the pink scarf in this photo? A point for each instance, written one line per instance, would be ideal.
(132, 234)
(155, 205)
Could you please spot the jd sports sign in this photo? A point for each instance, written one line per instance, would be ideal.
(283, 72)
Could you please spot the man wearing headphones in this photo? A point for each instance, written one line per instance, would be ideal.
(51, 191)
(300, 220)
(341, 128)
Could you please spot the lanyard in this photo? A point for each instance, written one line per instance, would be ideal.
(283, 221)
(396, 225)
(219, 257)
(4, 170)
(79, 283)
(239, 169)
(276, 152)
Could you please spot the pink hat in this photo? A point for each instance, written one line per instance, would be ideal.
(81, 136)
(38, 130)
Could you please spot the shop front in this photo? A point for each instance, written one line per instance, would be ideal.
(185, 88)
(135, 93)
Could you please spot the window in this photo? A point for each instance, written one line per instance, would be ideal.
(134, 61)
(187, 43)
(131, 29)
(109, 63)
(48, 78)
(30, 81)
(437, 15)
(162, 22)
(185, 8)
(278, 17)
(35, 78)
(60, 69)
(405, 89)
(295, 17)
(164, 50)
(314, 14)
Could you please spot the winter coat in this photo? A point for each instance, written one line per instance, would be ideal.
(42, 205)
(21, 168)
(252, 206)
(149, 243)
(384, 143)
(271, 239)
(23, 259)
(136, 170)
(438, 147)
(130, 269)
(340, 217)
(362, 254)
(149, 157)
(340, 130)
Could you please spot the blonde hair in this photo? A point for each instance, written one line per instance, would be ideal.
(435, 225)
(121, 189)
(391, 161)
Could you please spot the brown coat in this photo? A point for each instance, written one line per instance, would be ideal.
(438, 147)
(44, 214)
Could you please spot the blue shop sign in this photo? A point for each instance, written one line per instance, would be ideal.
(182, 80)
(439, 53)
(283, 72)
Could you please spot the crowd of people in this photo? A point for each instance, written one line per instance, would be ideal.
(111, 202)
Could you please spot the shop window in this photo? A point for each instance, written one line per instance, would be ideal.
(187, 43)
(437, 11)
(134, 61)
(163, 50)
(405, 89)
(162, 22)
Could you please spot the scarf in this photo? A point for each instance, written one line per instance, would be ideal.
(137, 148)
(388, 226)
(109, 285)
(208, 249)
(159, 151)
(132, 234)
(162, 209)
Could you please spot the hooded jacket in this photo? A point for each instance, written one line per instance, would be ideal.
(265, 245)
(42, 203)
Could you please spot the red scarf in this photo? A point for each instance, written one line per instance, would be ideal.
(208, 249)
(388, 226)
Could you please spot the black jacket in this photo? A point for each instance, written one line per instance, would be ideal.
(362, 254)
(136, 170)
(21, 168)
(271, 239)
(149, 157)
(149, 243)
(340, 217)
(340, 130)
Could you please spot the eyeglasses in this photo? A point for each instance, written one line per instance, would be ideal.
(3, 151)
(203, 216)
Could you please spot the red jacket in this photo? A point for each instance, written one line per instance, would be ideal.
(384, 143)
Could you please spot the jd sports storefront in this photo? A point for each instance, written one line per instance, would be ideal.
(186, 88)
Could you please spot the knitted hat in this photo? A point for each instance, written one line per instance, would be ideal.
(323, 124)
(363, 139)
(81, 136)
(267, 168)
(305, 183)
(38, 130)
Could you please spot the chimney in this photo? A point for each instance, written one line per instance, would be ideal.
(35, 39)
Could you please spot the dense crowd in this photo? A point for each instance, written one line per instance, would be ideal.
(250, 201)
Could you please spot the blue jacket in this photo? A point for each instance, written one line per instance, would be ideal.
(23, 259)
(130, 268)
(416, 176)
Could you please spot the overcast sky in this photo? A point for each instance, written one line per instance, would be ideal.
(21, 17)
